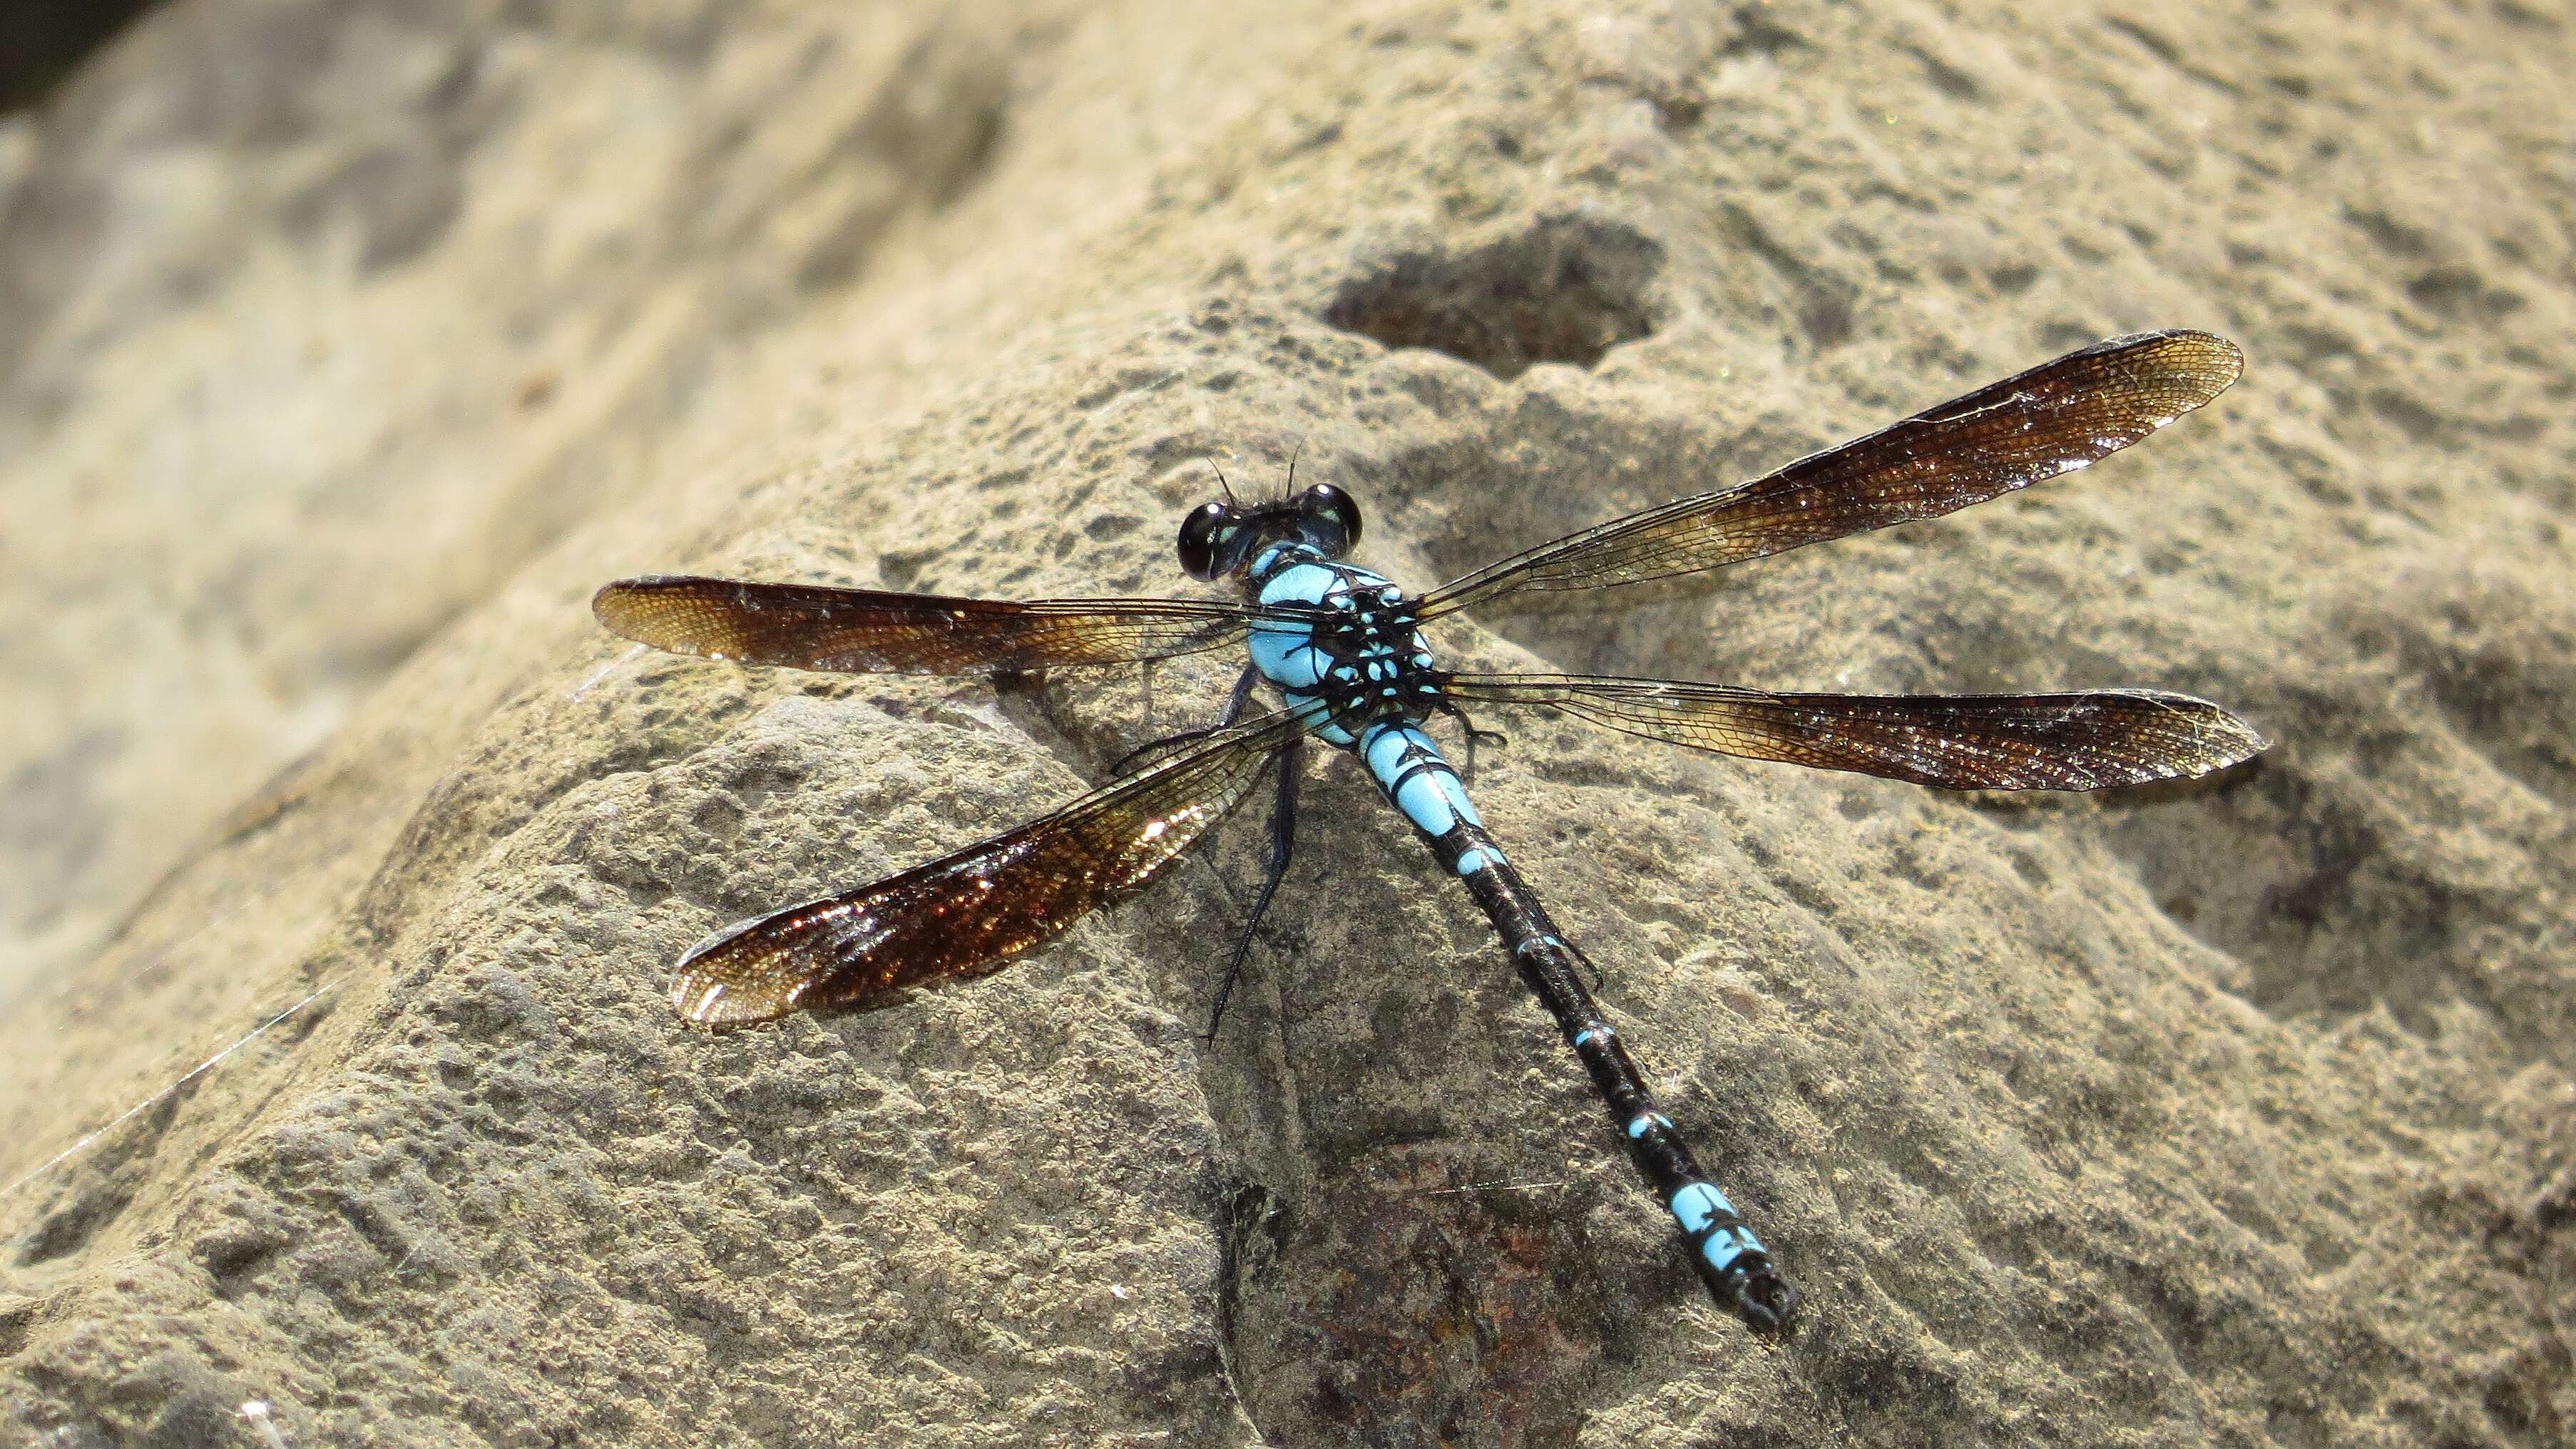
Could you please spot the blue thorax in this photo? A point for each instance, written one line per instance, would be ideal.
(1341, 643)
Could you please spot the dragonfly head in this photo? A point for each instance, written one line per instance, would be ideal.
(1220, 538)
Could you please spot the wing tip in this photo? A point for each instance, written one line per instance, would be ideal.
(606, 600)
(2223, 360)
(614, 603)
(630, 608)
(709, 993)
(2220, 738)
(2210, 362)
(709, 1000)
(2243, 743)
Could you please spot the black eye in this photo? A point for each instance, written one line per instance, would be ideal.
(1202, 532)
(1334, 511)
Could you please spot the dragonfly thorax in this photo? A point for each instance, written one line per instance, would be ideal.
(1342, 639)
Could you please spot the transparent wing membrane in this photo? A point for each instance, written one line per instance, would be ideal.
(864, 631)
(2053, 419)
(2087, 740)
(964, 914)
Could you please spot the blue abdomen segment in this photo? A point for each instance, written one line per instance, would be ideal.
(1408, 766)
(1713, 1225)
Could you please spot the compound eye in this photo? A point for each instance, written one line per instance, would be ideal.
(1204, 536)
(1335, 511)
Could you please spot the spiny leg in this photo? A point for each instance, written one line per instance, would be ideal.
(1475, 736)
(1235, 703)
(1240, 696)
(1291, 763)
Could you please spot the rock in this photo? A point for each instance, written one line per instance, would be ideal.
(345, 348)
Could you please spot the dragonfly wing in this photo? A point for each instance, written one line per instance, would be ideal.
(2053, 419)
(865, 631)
(2087, 740)
(966, 913)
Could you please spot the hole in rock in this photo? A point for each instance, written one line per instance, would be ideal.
(1567, 289)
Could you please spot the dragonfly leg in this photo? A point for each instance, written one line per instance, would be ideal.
(1234, 706)
(1239, 697)
(1475, 736)
(1291, 763)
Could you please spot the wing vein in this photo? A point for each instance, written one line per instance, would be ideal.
(2079, 740)
(2054, 419)
(867, 631)
(968, 912)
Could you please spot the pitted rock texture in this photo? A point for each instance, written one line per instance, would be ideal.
(345, 347)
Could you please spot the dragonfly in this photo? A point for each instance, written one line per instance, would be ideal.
(1341, 648)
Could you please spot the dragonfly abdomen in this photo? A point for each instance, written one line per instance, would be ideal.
(1418, 780)
(1729, 1259)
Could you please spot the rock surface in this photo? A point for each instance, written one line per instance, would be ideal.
(344, 347)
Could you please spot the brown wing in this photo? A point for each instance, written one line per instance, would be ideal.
(2088, 740)
(2053, 419)
(864, 631)
(964, 914)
